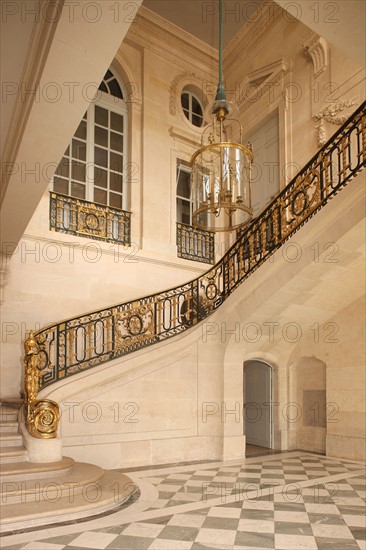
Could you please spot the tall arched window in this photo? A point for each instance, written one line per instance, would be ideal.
(93, 165)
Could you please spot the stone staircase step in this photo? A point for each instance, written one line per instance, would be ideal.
(114, 489)
(82, 478)
(29, 470)
(9, 427)
(11, 401)
(9, 409)
(10, 440)
(8, 415)
(12, 454)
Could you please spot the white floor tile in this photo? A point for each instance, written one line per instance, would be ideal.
(93, 539)
(355, 521)
(143, 530)
(166, 544)
(256, 525)
(187, 520)
(228, 512)
(216, 536)
(331, 531)
(292, 542)
(43, 546)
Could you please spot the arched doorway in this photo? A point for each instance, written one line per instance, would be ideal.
(258, 403)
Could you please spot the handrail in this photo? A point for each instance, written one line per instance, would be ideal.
(88, 340)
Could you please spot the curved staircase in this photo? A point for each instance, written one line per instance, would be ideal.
(34, 493)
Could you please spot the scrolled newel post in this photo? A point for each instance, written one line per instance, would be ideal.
(41, 416)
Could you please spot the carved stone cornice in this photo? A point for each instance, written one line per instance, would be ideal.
(156, 31)
(317, 48)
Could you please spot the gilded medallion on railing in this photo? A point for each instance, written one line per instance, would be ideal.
(86, 219)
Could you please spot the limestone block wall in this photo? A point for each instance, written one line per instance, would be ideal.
(341, 353)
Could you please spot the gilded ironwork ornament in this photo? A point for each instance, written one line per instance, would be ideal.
(41, 416)
(94, 338)
(88, 219)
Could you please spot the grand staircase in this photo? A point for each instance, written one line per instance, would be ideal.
(34, 493)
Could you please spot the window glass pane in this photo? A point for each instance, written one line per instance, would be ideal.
(78, 171)
(60, 186)
(116, 182)
(100, 177)
(185, 100)
(186, 113)
(63, 168)
(101, 116)
(101, 157)
(197, 120)
(103, 87)
(115, 89)
(115, 200)
(116, 162)
(100, 196)
(117, 122)
(77, 190)
(184, 184)
(78, 149)
(108, 75)
(117, 142)
(196, 107)
(67, 152)
(183, 211)
(101, 136)
(81, 131)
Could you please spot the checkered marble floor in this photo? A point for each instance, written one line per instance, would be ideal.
(284, 502)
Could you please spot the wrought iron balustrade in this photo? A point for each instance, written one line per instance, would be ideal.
(88, 340)
(195, 244)
(88, 219)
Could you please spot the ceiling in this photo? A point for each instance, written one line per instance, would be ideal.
(200, 17)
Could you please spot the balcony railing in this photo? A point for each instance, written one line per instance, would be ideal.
(195, 244)
(83, 342)
(88, 219)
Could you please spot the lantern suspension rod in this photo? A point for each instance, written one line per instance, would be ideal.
(220, 93)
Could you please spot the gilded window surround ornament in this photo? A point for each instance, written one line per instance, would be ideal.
(331, 114)
(41, 416)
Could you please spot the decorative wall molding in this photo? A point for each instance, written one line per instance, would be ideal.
(331, 114)
(192, 139)
(260, 81)
(317, 48)
(4, 275)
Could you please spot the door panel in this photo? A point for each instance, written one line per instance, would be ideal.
(257, 403)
